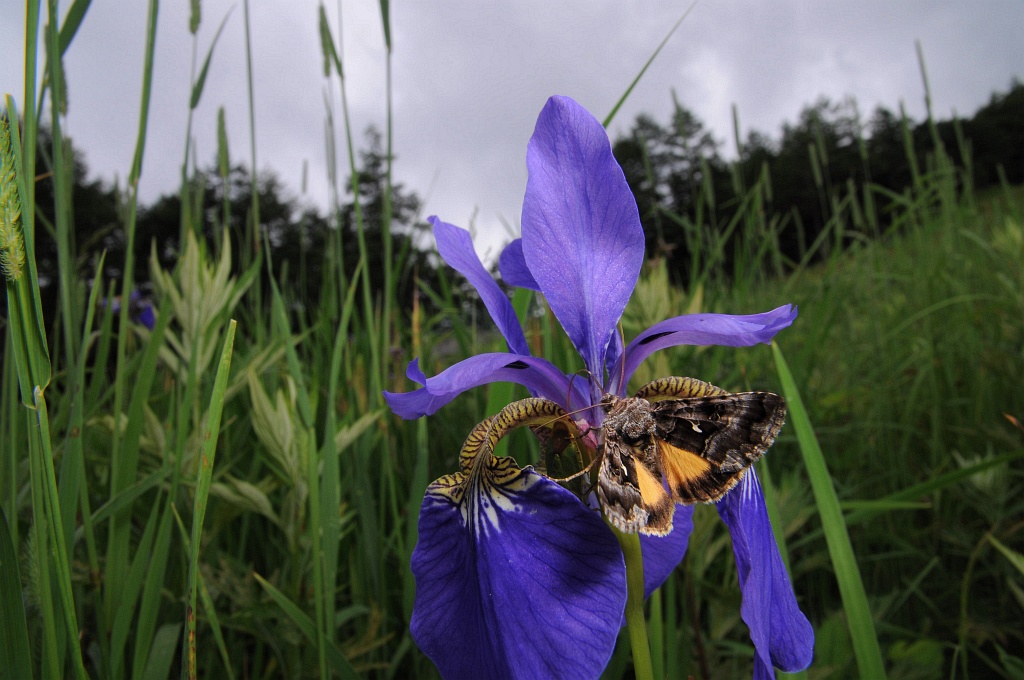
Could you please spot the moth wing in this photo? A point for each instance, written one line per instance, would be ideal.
(730, 431)
(694, 479)
(632, 496)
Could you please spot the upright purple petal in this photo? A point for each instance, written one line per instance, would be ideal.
(613, 364)
(582, 238)
(538, 375)
(662, 554)
(704, 329)
(782, 635)
(456, 247)
(515, 578)
(513, 267)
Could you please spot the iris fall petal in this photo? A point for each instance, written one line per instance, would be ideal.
(515, 578)
(662, 554)
(782, 635)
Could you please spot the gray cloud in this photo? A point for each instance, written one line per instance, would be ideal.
(470, 78)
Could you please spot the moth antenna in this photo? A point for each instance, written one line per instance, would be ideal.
(578, 474)
(567, 414)
(568, 395)
(591, 378)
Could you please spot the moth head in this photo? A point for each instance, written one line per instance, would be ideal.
(630, 418)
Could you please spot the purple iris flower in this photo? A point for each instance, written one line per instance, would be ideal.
(515, 576)
(140, 309)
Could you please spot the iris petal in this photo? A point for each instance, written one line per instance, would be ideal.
(582, 238)
(456, 247)
(662, 554)
(513, 267)
(538, 375)
(732, 330)
(515, 578)
(782, 635)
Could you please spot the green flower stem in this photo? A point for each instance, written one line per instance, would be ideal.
(635, 621)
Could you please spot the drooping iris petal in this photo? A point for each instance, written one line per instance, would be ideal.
(515, 578)
(538, 375)
(662, 554)
(582, 238)
(782, 635)
(732, 330)
(513, 267)
(456, 247)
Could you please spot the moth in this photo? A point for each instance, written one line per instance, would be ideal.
(678, 440)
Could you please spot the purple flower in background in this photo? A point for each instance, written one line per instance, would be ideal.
(140, 309)
(516, 576)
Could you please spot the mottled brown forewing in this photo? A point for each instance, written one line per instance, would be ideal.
(699, 445)
(728, 432)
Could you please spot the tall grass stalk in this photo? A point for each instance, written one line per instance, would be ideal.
(851, 587)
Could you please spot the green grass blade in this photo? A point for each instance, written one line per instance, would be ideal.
(161, 654)
(1014, 557)
(301, 619)
(202, 492)
(14, 647)
(124, 499)
(930, 486)
(851, 587)
(39, 556)
(124, 475)
(24, 306)
(385, 17)
(149, 605)
(625, 95)
(320, 599)
(147, 88)
(214, 621)
(128, 595)
(72, 20)
(125, 462)
(59, 559)
(72, 474)
(197, 88)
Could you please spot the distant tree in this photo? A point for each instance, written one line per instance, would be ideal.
(406, 230)
(995, 135)
(95, 216)
(815, 158)
(302, 241)
(667, 168)
(887, 154)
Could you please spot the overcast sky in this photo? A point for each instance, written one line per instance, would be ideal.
(469, 79)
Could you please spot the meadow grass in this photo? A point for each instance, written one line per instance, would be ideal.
(254, 515)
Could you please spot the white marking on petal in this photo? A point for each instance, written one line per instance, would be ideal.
(489, 495)
(749, 484)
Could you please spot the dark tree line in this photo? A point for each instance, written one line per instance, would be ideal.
(679, 177)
